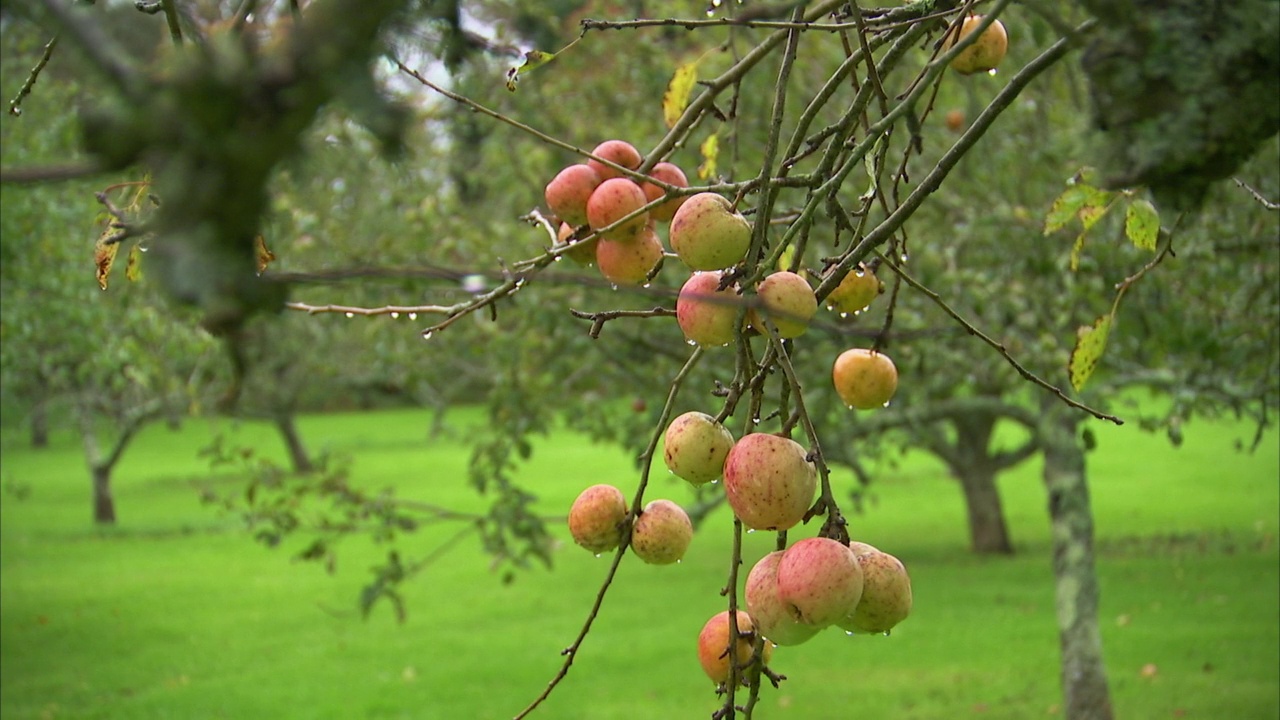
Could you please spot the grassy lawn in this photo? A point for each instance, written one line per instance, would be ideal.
(178, 613)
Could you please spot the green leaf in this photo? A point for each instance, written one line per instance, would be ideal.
(533, 59)
(1142, 224)
(1079, 200)
(1091, 341)
(1076, 249)
(676, 98)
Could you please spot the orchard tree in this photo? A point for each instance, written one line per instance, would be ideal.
(784, 174)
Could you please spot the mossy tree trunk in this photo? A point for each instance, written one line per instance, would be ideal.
(1084, 679)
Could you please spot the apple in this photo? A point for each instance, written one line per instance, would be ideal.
(617, 151)
(855, 292)
(954, 120)
(714, 646)
(985, 53)
(772, 616)
(568, 191)
(596, 517)
(671, 175)
(787, 301)
(583, 253)
(707, 315)
(629, 262)
(769, 481)
(613, 200)
(819, 581)
(708, 234)
(864, 379)
(695, 446)
(661, 533)
(886, 594)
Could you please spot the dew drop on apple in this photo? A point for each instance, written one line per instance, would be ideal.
(886, 633)
(849, 633)
(598, 554)
(859, 272)
(886, 403)
(613, 286)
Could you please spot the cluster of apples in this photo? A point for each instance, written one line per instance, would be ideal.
(707, 312)
(659, 535)
(607, 217)
(791, 594)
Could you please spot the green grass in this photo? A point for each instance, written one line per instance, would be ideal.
(177, 613)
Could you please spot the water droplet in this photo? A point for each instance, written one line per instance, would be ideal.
(991, 72)
(860, 271)
(848, 633)
(750, 530)
(691, 342)
(351, 314)
(716, 481)
(427, 335)
(849, 406)
(613, 286)
(678, 561)
(904, 257)
(755, 420)
(647, 286)
(857, 312)
(413, 316)
(886, 633)
(844, 316)
(559, 258)
(395, 316)
(886, 403)
(598, 554)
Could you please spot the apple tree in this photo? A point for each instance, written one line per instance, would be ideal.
(794, 176)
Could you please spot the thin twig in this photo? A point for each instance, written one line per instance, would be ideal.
(998, 346)
(25, 90)
(571, 652)
(1262, 199)
(598, 319)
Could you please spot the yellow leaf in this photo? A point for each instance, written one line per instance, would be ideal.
(104, 255)
(676, 99)
(262, 254)
(1091, 340)
(710, 150)
(133, 266)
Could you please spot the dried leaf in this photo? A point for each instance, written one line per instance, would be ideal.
(1091, 341)
(1142, 224)
(676, 98)
(104, 255)
(710, 151)
(133, 266)
(261, 254)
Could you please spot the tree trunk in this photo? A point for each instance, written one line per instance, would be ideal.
(988, 533)
(971, 464)
(104, 505)
(1084, 678)
(293, 441)
(40, 425)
